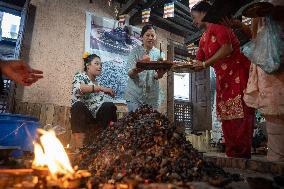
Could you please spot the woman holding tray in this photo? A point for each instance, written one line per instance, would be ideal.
(220, 48)
(143, 85)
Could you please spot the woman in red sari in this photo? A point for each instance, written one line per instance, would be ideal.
(220, 48)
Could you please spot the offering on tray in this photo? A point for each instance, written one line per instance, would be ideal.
(184, 63)
(183, 66)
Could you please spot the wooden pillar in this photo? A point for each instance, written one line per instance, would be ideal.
(170, 84)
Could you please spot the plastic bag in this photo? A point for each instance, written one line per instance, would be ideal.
(266, 50)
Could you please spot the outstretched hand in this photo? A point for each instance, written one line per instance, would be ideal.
(20, 72)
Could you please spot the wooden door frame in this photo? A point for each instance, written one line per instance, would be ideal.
(18, 49)
(170, 79)
(197, 126)
(192, 87)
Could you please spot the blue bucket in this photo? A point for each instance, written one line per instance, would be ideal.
(8, 116)
(18, 130)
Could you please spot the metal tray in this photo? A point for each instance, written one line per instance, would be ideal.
(182, 68)
(154, 65)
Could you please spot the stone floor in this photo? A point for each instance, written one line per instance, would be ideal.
(257, 163)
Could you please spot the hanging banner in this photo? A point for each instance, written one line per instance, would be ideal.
(146, 15)
(169, 10)
(192, 3)
(246, 21)
(113, 44)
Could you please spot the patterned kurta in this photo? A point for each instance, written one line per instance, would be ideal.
(143, 89)
(231, 80)
(93, 101)
(231, 72)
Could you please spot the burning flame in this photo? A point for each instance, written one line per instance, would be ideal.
(39, 160)
(50, 152)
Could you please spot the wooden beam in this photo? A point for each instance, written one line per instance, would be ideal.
(185, 15)
(178, 25)
(125, 9)
(169, 25)
(182, 7)
(189, 24)
(182, 16)
(11, 8)
(179, 21)
(150, 3)
(136, 18)
(183, 51)
(161, 23)
(16, 3)
(183, 10)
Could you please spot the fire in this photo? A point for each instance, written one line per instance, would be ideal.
(50, 152)
(39, 160)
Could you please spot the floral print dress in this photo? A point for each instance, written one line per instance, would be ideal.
(232, 74)
(93, 101)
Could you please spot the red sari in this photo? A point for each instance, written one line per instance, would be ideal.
(232, 75)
